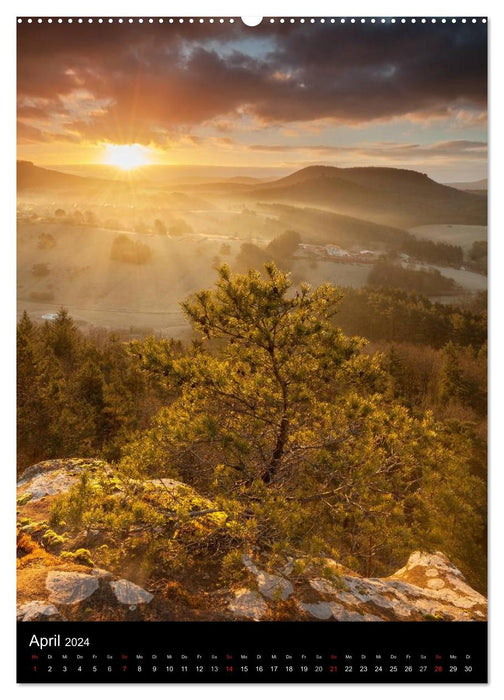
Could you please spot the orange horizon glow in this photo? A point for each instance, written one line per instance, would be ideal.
(239, 98)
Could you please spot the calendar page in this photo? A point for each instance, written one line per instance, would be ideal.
(251, 349)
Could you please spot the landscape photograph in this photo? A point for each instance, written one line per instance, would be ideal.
(251, 320)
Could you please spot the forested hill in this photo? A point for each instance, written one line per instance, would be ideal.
(31, 176)
(387, 195)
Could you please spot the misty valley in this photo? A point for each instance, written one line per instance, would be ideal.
(121, 253)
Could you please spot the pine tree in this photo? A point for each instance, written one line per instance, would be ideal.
(278, 351)
(277, 420)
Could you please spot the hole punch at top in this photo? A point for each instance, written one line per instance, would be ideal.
(252, 21)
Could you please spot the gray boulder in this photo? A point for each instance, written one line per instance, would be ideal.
(68, 587)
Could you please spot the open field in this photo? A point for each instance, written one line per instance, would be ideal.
(79, 274)
(105, 292)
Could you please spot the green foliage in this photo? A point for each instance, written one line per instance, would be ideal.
(51, 540)
(427, 282)
(399, 316)
(77, 394)
(271, 375)
(46, 241)
(451, 381)
(232, 568)
(179, 227)
(434, 252)
(478, 257)
(35, 528)
(160, 227)
(127, 250)
(284, 423)
(291, 439)
(41, 532)
(80, 556)
(283, 247)
(24, 498)
(280, 251)
(159, 525)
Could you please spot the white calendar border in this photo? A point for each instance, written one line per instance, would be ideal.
(227, 8)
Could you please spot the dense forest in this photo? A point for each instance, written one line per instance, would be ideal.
(427, 282)
(345, 423)
(397, 315)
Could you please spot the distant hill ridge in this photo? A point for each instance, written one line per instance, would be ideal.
(390, 196)
(374, 177)
(369, 173)
(469, 186)
(30, 175)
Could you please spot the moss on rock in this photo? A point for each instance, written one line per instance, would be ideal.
(80, 556)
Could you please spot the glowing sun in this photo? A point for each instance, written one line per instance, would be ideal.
(126, 157)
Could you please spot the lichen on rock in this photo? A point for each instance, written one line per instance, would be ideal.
(67, 587)
(37, 610)
(129, 593)
(92, 569)
(250, 604)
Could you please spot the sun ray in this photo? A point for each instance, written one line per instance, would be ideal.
(126, 156)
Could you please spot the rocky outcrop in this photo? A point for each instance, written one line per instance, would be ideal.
(249, 604)
(52, 477)
(429, 587)
(271, 586)
(36, 610)
(67, 589)
(56, 584)
(129, 593)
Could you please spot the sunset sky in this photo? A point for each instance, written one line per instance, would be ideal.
(273, 96)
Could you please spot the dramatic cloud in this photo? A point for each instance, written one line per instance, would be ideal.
(389, 151)
(142, 83)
